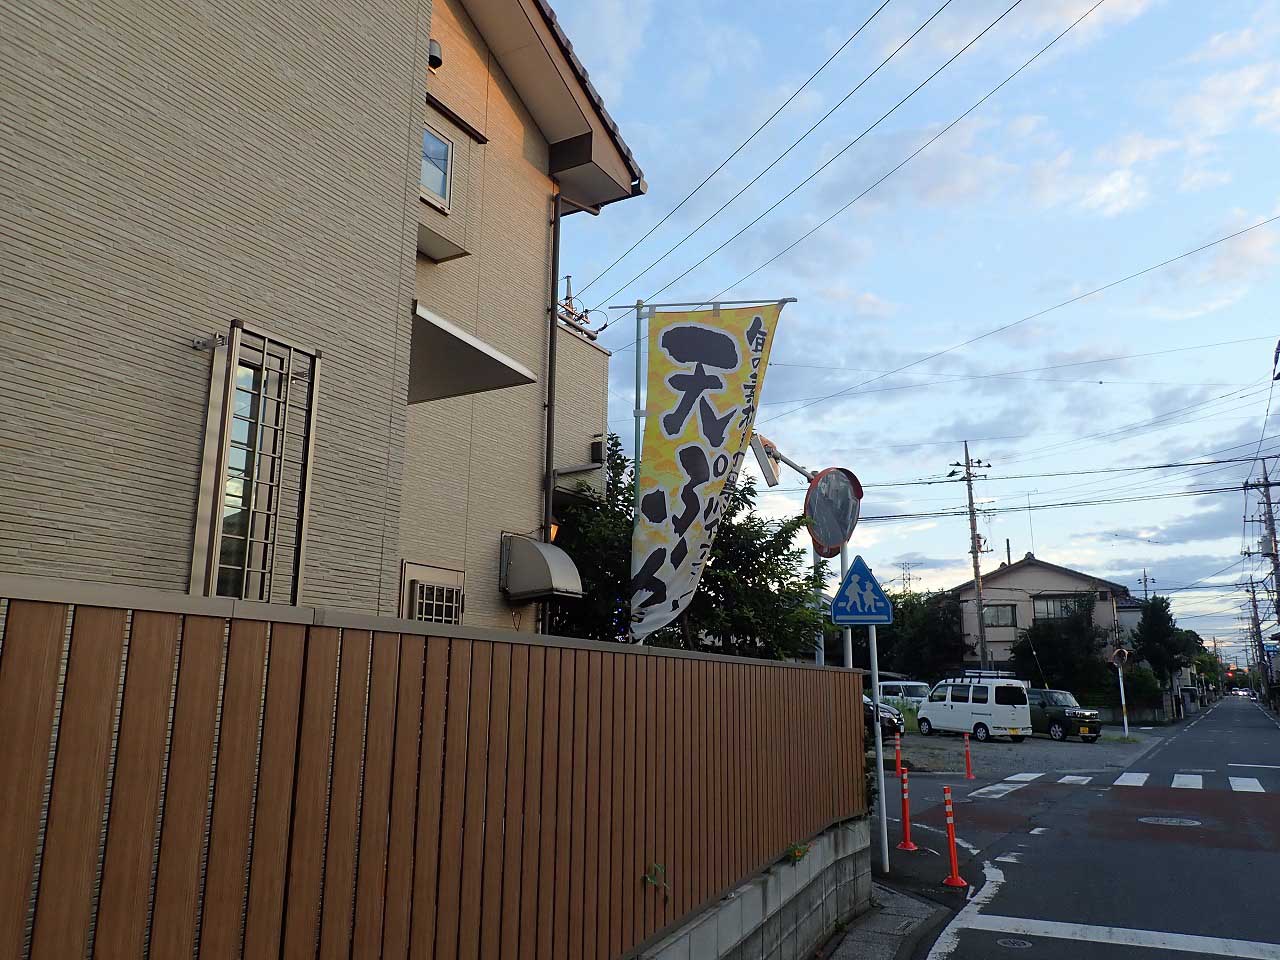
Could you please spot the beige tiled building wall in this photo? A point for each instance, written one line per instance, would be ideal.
(474, 464)
(582, 406)
(170, 166)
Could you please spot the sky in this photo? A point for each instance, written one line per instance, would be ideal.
(1150, 129)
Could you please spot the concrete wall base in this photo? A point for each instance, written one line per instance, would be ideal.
(788, 910)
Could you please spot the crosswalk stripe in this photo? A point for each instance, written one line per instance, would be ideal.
(997, 790)
(1079, 780)
(1188, 781)
(1025, 777)
(1131, 779)
(1246, 785)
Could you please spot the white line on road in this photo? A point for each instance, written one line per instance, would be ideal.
(1009, 858)
(1119, 936)
(1254, 766)
(1246, 785)
(1080, 780)
(1036, 831)
(997, 790)
(973, 851)
(1131, 779)
(1025, 777)
(949, 939)
(1188, 781)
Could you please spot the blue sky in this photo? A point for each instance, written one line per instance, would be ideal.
(1151, 128)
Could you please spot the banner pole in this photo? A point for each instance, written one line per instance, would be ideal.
(638, 412)
(875, 718)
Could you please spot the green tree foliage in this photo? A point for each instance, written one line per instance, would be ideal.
(1159, 642)
(1064, 654)
(924, 642)
(756, 594)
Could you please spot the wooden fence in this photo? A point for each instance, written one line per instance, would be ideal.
(175, 785)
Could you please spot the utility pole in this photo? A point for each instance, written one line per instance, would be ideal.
(907, 578)
(975, 549)
(1255, 649)
(1145, 581)
(1269, 518)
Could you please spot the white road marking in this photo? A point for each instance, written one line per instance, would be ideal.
(1080, 780)
(1146, 728)
(1009, 858)
(1188, 781)
(1131, 779)
(1120, 936)
(997, 790)
(949, 939)
(973, 851)
(1024, 777)
(1246, 785)
(1254, 766)
(1036, 831)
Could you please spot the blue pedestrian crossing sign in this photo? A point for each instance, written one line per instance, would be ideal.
(860, 601)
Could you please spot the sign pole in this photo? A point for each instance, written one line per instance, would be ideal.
(638, 412)
(1124, 711)
(820, 652)
(875, 716)
(847, 632)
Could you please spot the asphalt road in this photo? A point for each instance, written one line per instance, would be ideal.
(1176, 854)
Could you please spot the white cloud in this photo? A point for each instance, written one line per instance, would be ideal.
(1115, 193)
(1223, 99)
(1026, 125)
(1201, 178)
(1136, 148)
(619, 28)
(862, 302)
(1189, 311)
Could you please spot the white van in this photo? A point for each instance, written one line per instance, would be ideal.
(984, 706)
(904, 693)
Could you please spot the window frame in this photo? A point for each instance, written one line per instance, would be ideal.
(986, 693)
(1059, 600)
(1000, 606)
(206, 560)
(441, 579)
(445, 203)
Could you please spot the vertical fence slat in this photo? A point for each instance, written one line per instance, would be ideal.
(403, 819)
(126, 871)
(578, 810)
(532, 868)
(187, 788)
(453, 806)
(517, 813)
(599, 947)
(233, 795)
(590, 867)
(447, 662)
(79, 782)
(565, 826)
(547, 851)
(375, 815)
(344, 795)
(630, 822)
(473, 825)
(305, 878)
(617, 795)
(644, 800)
(490, 899)
(274, 813)
(33, 635)
(667, 787)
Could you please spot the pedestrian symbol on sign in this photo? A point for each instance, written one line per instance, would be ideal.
(860, 599)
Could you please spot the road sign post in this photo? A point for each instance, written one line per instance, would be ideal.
(861, 601)
(1118, 659)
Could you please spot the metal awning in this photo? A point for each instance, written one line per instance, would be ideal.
(533, 570)
(446, 361)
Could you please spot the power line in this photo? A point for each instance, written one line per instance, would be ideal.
(739, 148)
(1038, 313)
(839, 153)
(778, 159)
(991, 93)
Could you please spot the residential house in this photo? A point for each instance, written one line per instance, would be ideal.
(278, 313)
(1019, 593)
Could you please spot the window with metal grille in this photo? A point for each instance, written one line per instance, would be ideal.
(432, 594)
(264, 402)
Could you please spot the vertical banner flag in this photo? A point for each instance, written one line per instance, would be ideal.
(706, 370)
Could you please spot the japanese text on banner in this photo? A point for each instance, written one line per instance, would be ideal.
(706, 371)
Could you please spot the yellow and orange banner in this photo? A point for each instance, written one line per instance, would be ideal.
(706, 371)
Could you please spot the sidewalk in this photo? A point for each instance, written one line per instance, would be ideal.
(890, 930)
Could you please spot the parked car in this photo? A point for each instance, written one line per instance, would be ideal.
(908, 693)
(984, 706)
(1059, 714)
(890, 719)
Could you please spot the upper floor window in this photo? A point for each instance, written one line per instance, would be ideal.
(1054, 608)
(437, 165)
(1000, 615)
(251, 544)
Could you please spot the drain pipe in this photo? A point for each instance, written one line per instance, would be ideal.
(553, 310)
